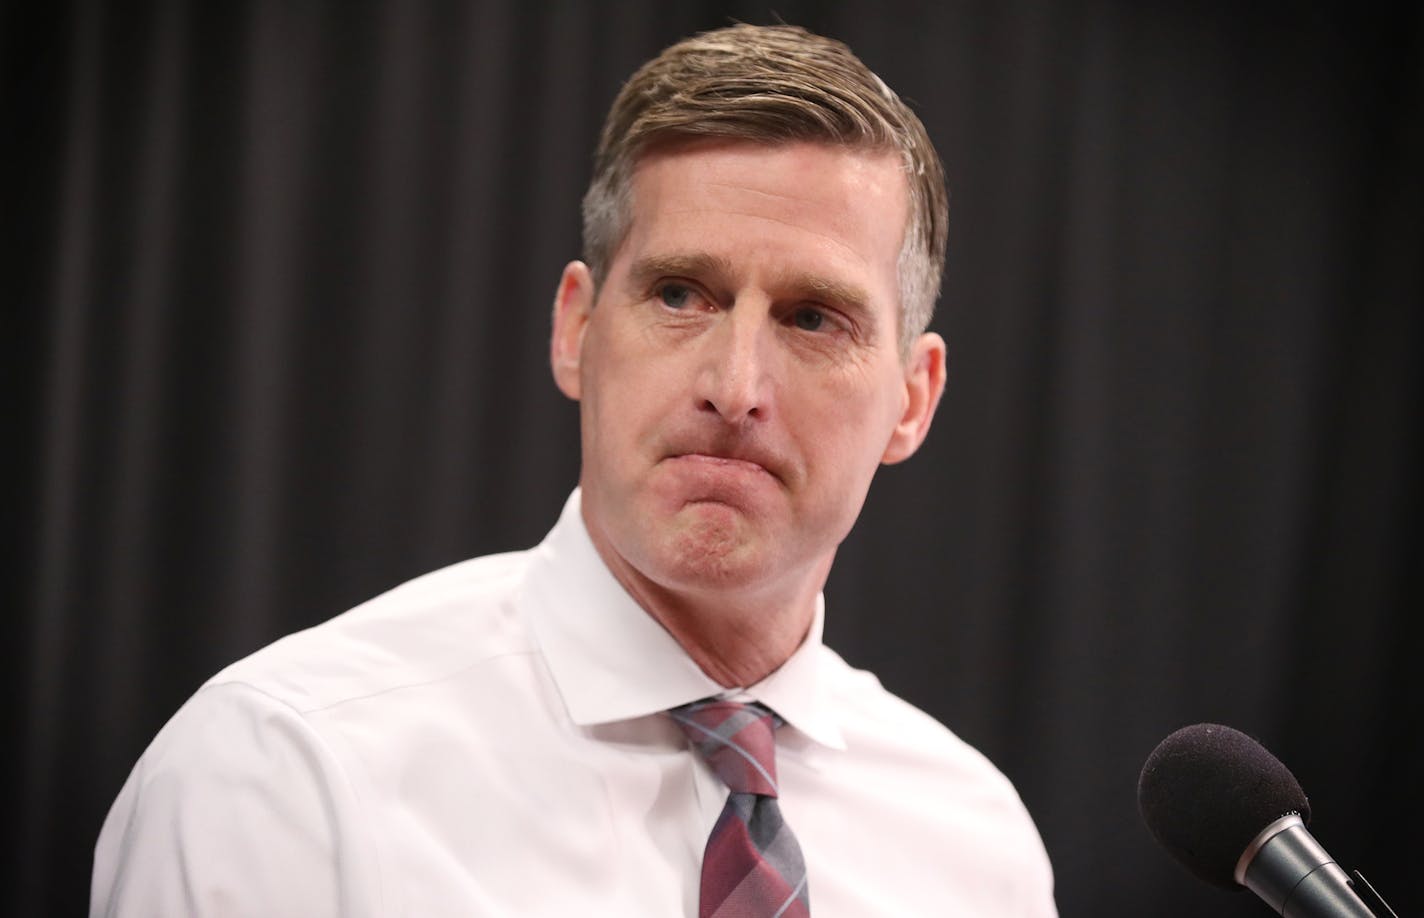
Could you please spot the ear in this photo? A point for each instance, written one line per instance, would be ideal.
(573, 304)
(924, 384)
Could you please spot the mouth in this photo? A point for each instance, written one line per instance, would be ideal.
(718, 462)
(730, 462)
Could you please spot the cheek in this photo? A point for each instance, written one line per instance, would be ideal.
(625, 394)
(859, 417)
(844, 445)
(616, 360)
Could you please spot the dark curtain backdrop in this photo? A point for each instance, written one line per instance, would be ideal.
(276, 283)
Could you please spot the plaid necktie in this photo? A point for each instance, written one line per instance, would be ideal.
(752, 867)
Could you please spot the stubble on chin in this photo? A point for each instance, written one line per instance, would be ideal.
(711, 547)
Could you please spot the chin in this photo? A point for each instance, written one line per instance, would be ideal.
(714, 549)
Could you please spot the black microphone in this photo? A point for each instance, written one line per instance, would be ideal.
(1235, 816)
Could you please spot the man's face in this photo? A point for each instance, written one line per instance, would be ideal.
(739, 377)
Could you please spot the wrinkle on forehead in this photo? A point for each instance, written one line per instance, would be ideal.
(789, 224)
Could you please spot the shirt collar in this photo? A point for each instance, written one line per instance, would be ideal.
(612, 661)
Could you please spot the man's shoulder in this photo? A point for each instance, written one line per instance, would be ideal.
(897, 737)
(419, 632)
(946, 792)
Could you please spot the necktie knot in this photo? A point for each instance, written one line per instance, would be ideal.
(737, 739)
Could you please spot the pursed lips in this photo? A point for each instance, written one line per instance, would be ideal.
(730, 461)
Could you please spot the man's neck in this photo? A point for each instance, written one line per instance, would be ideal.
(736, 637)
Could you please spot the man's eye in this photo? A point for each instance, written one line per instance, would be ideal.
(809, 319)
(675, 296)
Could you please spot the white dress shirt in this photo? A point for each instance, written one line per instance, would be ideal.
(488, 740)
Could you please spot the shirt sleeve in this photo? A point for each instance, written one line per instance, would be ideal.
(237, 808)
(1041, 902)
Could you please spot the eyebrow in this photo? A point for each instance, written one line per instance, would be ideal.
(845, 297)
(711, 268)
(698, 265)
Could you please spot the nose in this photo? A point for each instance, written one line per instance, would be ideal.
(733, 379)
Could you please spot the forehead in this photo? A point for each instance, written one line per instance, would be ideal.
(829, 209)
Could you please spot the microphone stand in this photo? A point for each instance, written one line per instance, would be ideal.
(1366, 891)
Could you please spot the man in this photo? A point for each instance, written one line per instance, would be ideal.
(590, 727)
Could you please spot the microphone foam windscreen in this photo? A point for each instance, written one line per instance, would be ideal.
(1206, 791)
